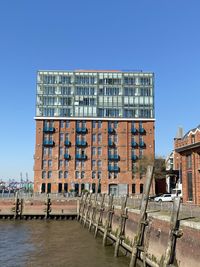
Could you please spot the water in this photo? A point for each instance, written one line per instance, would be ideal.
(53, 243)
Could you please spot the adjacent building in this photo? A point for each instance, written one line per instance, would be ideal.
(187, 162)
(92, 129)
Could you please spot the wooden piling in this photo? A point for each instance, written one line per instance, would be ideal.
(139, 238)
(100, 218)
(122, 224)
(88, 206)
(108, 224)
(174, 233)
(84, 205)
(80, 203)
(17, 206)
(48, 209)
(93, 214)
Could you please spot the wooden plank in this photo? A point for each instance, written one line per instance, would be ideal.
(108, 224)
(87, 209)
(122, 224)
(93, 214)
(100, 218)
(139, 238)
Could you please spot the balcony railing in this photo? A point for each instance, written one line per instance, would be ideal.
(67, 156)
(134, 157)
(142, 130)
(111, 130)
(113, 157)
(113, 168)
(133, 144)
(81, 157)
(49, 130)
(48, 143)
(142, 144)
(133, 130)
(81, 143)
(111, 143)
(82, 130)
(67, 143)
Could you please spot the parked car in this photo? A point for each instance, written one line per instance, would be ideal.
(164, 198)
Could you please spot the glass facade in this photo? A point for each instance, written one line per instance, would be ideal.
(95, 94)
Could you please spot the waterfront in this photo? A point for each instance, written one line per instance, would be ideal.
(38, 243)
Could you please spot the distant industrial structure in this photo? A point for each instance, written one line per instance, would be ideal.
(92, 129)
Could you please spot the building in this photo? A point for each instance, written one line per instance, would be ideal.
(92, 129)
(187, 162)
(173, 177)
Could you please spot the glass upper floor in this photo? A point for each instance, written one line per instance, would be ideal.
(95, 94)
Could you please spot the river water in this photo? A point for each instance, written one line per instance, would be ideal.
(38, 243)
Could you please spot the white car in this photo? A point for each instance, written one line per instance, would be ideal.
(164, 198)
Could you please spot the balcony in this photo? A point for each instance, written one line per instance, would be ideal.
(81, 143)
(49, 130)
(67, 156)
(142, 144)
(133, 144)
(111, 143)
(111, 130)
(134, 157)
(133, 130)
(48, 143)
(81, 157)
(113, 168)
(142, 130)
(82, 130)
(113, 157)
(67, 143)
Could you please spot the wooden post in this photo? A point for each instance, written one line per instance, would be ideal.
(17, 203)
(122, 224)
(83, 208)
(93, 215)
(87, 209)
(48, 210)
(139, 238)
(99, 221)
(80, 206)
(174, 233)
(108, 224)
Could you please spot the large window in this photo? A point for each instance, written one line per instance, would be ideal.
(190, 189)
(189, 161)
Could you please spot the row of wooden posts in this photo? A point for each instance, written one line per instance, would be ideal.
(91, 212)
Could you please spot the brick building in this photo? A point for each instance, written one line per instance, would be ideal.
(187, 161)
(92, 129)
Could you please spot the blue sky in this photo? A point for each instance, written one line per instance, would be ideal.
(152, 35)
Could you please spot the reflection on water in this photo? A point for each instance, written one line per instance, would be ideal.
(53, 243)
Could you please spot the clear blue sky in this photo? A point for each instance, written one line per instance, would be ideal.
(162, 36)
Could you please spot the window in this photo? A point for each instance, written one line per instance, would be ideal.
(82, 175)
(49, 174)
(99, 175)
(45, 151)
(115, 124)
(99, 164)
(93, 124)
(67, 124)
(66, 163)
(78, 163)
(141, 188)
(93, 137)
(67, 137)
(44, 164)
(60, 164)
(189, 161)
(66, 174)
(189, 184)
(59, 188)
(93, 175)
(49, 163)
(65, 187)
(62, 124)
(133, 188)
(50, 151)
(115, 138)
(99, 124)
(93, 163)
(43, 175)
(60, 174)
(77, 174)
(61, 137)
(99, 138)
(99, 151)
(43, 188)
(93, 151)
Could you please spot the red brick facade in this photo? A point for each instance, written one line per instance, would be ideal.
(96, 150)
(187, 160)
